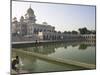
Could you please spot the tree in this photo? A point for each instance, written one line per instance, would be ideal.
(86, 31)
(94, 32)
(65, 32)
(59, 31)
(83, 30)
(74, 32)
(68, 32)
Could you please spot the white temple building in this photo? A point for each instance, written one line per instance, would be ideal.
(28, 30)
(28, 26)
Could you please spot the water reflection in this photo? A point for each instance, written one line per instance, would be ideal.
(33, 64)
(83, 47)
(78, 51)
(50, 48)
(26, 62)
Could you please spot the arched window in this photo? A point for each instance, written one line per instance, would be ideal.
(44, 30)
(40, 30)
(34, 30)
(37, 30)
(47, 37)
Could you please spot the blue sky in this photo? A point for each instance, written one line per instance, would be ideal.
(63, 17)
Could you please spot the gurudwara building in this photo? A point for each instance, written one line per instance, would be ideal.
(28, 30)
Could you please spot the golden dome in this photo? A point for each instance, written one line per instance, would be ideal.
(30, 11)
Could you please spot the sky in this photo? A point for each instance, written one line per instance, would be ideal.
(64, 17)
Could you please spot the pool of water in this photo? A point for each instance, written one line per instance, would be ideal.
(81, 52)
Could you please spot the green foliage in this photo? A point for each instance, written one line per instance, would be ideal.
(74, 32)
(86, 31)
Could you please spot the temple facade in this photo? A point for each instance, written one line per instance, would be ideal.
(28, 30)
(28, 25)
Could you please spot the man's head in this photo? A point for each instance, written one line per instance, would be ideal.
(16, 57)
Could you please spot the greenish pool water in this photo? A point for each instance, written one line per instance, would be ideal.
(82, 52)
